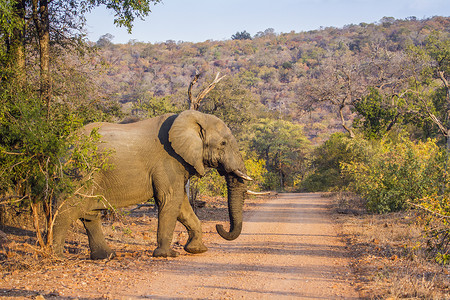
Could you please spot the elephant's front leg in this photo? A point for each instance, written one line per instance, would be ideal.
(193, 225)
(169, 204)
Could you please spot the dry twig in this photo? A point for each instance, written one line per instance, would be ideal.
(194, 102)
(428, 210)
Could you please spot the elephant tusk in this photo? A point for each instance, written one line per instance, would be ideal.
(242, 175)
(257, 193)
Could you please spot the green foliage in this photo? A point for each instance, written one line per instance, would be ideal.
(438, 48)
(397, 172)
(154, 106)
(10, 24)
(283, 147)
(244, 35)
(212, 184)
(8, 19)
(42, 157)
(125, 11)
(375, 115)
(326, 162)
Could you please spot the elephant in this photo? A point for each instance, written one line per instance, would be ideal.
(154, 158)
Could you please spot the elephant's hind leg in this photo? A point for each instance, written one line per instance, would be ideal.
(97, 242)
(169, 201)
(60, 228)
(193, 225)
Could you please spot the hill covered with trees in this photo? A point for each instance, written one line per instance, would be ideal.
(308, 77)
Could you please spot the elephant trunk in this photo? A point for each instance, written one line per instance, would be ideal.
(236, 190)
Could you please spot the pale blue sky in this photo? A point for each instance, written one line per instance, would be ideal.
(201, 20)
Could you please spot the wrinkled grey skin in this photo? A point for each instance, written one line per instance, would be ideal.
(155, 158)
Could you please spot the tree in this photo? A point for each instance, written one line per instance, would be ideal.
(267, 32)
(244, 35)
(378, 115)
(429, 91)
(41, 19)
(60, 21)
(344, 79)
(326, 160)
(338, 85)
(283, 146)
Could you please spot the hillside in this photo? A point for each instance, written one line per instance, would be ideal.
(286, 72)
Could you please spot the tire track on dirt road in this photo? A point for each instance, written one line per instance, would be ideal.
(289, 249)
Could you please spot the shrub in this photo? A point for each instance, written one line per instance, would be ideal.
(327, 159)
(397, 172)
(402, 174)
(256, 169)
(42, 157)
(212, 184)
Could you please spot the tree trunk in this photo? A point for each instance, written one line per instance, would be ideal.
(42, 23)
(343, 122)
(15, 44)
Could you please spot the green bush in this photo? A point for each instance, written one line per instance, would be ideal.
(396, 173)
(327, 159)
(256, 169)
(42, 157)
(212, 184)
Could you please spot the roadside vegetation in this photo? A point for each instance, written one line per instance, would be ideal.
(361, 111)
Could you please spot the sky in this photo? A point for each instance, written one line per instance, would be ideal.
(201, 20)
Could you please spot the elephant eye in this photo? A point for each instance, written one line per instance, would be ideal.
(223, 143)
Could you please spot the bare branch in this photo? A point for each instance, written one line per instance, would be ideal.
(434, 118)
(249, 192)
(7, 200)
(194, 103)
(210, 87)
(343, 122)
(13, 153)
(429, 210)
(194, 81)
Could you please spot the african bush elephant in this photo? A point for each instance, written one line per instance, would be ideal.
(155, 158)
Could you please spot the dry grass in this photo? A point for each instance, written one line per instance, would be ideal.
(388, 258)
(389, 255)
(130, 232)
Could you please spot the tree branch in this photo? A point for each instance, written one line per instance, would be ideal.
(194, 103)
(7, 200)
(428, 210)
(190, 97)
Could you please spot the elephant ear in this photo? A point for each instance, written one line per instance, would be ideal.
(186, 137)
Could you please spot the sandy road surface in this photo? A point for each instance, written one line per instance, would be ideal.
(289, 249)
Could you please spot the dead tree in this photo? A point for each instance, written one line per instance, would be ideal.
(194, 103)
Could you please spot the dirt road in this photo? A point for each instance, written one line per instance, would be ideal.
(288, 249)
